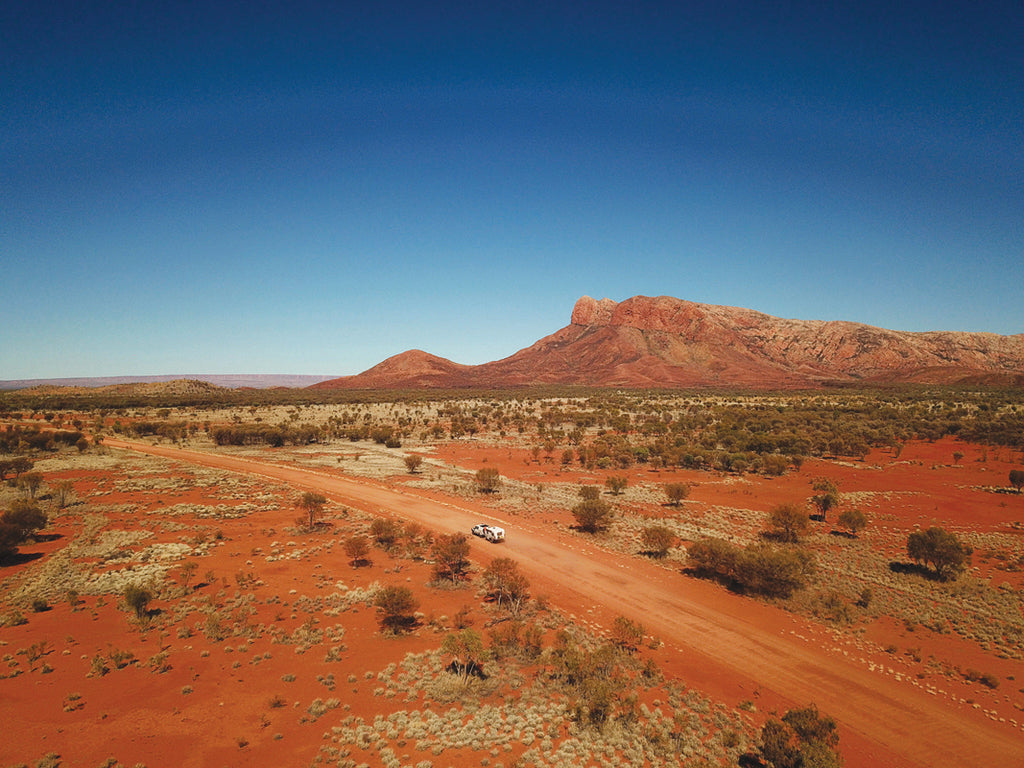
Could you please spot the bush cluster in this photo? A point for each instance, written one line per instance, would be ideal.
(761, 568)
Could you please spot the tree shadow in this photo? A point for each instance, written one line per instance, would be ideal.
(913, 569)
(467, 670)
(361, 562)
(843, 534)
(653, 554)
(19, 558)
(44, 537)
(400, 625)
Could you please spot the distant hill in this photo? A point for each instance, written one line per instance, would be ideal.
(233, 381)
(668, 342)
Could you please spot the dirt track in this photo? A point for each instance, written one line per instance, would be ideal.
(898, 723)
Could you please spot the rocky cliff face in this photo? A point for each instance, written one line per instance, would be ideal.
(668, 342)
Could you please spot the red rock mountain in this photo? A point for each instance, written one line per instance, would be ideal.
(667, 342)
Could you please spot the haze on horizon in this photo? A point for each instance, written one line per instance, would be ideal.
(228, 187)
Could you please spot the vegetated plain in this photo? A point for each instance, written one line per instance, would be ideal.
(169, 613)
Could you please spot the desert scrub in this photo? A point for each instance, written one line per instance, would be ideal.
(318, 708)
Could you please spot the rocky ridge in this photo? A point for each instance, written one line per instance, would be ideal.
(668, 342)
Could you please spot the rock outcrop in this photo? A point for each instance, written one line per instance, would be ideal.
(668, 342)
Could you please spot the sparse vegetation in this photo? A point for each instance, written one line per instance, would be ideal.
(572, 701)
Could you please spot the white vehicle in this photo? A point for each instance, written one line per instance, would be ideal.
(492, 533)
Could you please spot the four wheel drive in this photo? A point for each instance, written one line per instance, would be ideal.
(492, 533)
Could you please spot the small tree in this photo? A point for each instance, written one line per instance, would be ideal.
(940, 549)
(412, 462)
(853, 520)
(658, 540)
(488, 480)
(357, 548)
(451, 556)
(186, 572)
(593, 515)
(137, 598)
(788, 522)
(505, 584)
(467, 649)
(64, 492)
(828, 497)
(397, 607)
(616, 484)
(313, 504)
(31, 482)
(1017, 479)
(677, 493)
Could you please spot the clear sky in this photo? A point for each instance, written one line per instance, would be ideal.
(297, 187)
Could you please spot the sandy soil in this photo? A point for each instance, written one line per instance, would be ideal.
(730, 646)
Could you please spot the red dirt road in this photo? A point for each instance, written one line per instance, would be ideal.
(753, 646)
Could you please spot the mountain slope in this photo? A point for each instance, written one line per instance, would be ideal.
(668, 342)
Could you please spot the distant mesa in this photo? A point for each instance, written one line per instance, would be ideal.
(667, 342)
(158, 385)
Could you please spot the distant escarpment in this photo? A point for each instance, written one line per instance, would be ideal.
(668, 342)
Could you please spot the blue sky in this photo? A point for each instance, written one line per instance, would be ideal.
(272, 187)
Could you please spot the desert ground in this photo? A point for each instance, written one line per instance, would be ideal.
(262, 641)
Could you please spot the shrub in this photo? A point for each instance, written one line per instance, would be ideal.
(412, 462)
(760, 569)
(1017, 479)
(488, 480)
(627, 634)
(715, 557)
(677, 493)
(137, 598)
(773, 571)
(384, 532)
(803, 738)
(658, 540)
(853, 520)
(25, 516)
(505, 584)
(616, 484)
(788, 523)
(357, 548)
(397, 607)
(451, 556)
(589, 492)
(592, 515)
